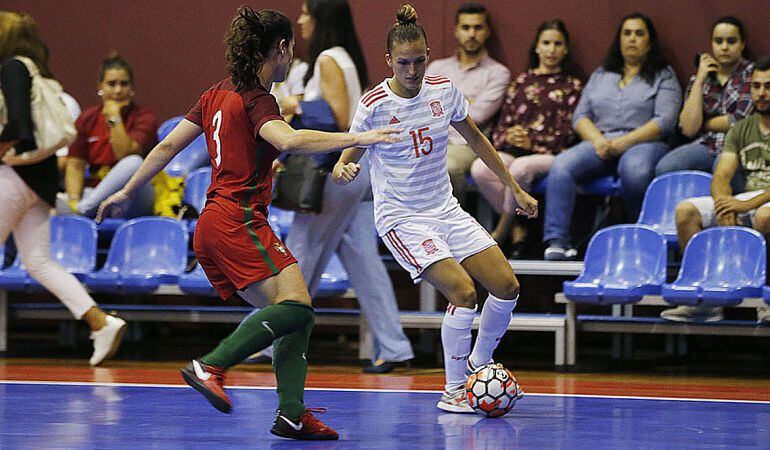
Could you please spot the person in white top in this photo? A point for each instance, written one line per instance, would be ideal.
(345, 225)
(74, 109)
(421, 222)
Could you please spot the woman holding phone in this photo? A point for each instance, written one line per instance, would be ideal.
(717, 96)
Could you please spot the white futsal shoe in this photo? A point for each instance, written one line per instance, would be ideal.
(107, 339)
(455, 401)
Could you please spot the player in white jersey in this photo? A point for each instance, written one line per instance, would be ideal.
(420, 221)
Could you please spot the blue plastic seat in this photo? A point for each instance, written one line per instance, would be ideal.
(107, 227)
(196, 283)
(15, 277)
(73, 246)
(145, 253)
(766, 294)
(721, 266)
(195, 155)
(280, 220)
(334, 279)
(196, 185)
(606, 186)
(665, 192)
(623, 263)
(165, 128)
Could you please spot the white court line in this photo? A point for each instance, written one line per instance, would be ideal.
(392, 391)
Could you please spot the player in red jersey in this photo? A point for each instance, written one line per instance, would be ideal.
(233, 242)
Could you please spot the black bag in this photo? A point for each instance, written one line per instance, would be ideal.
(299, 185)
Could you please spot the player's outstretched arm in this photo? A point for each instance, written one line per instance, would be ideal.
(526, 205)
(347, 168)
(179, 138)
(286, 139)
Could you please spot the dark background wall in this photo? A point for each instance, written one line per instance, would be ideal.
(177, 51)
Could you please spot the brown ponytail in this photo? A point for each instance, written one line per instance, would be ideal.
(250, 39)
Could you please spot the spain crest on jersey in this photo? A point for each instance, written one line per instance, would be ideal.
(429, 246)
(436, 108)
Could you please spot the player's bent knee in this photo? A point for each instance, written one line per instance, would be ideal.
(508, 291)
(686, 213)
(762, 221)
(464, 297)
(299, 298)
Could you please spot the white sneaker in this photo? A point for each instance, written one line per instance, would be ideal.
(558, 253)
(107, 339)
(693, 314)
(455, 401)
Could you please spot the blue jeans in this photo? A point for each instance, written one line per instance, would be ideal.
(635, 168)
(692, 156)
(695, 156)
(116, 178)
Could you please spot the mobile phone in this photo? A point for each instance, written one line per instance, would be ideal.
(712, 72)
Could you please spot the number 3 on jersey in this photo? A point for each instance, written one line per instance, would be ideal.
(217, 124)
(422, 143)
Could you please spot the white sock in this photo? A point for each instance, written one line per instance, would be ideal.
(456, 340)
(495, 317)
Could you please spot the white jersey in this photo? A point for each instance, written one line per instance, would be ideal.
(410, 178)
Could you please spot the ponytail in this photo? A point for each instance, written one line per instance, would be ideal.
(250, 39)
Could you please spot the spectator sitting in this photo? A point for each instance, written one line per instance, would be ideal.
(535, 124)
(482, 81)
(627, 106)
(716, 97)
(746, 147)
(112, 139)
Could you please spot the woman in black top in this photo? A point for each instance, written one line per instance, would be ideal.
(28, 191)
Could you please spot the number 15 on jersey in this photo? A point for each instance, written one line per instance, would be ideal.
(423, 144)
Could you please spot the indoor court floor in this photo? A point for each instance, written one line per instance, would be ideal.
(65, 404)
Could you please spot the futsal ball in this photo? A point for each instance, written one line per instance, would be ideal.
(492, 390)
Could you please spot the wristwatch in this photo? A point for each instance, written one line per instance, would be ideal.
(113, 120)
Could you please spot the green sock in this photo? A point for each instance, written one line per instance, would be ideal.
(290, 365)
(259, 331)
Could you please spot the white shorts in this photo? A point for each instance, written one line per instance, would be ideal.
(418, 242)
(705, 206)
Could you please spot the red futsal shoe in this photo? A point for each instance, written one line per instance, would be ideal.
(209, 381)
(307, 428)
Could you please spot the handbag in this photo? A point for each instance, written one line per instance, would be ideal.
(299, 185)
(53, 124)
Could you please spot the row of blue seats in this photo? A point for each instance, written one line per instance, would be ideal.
(660, 199)
(145, 253)
(721, 266)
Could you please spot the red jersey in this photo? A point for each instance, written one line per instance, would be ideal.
(93, 139)
(241, 160)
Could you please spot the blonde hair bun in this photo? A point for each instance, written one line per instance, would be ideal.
(406, 15)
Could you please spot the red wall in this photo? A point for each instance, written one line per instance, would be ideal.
(177, 51)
